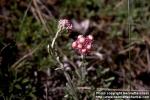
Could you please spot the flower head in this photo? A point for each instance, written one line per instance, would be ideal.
(83, 44)
(64, 24)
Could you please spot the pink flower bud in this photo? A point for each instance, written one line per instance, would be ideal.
(90, 37)
(65, 24)
(81, 39)
(80, 36)
(74, 44)
(83, 44)
(79, 46)
(88, 46)
(83, 50)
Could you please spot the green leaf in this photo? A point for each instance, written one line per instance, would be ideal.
(25, 80)
(18, 86)
(109, 79)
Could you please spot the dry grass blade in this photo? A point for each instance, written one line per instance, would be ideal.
(15, 65)
(38, 15)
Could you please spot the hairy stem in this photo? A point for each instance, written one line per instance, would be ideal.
(54, 39)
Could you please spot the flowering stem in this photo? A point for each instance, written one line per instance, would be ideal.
(54, 39)
(82, 70)
(70, 84)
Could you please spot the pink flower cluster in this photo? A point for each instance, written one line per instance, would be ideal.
(65, 24)
(83, 44)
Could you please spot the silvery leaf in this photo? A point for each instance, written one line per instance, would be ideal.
(82, 26)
